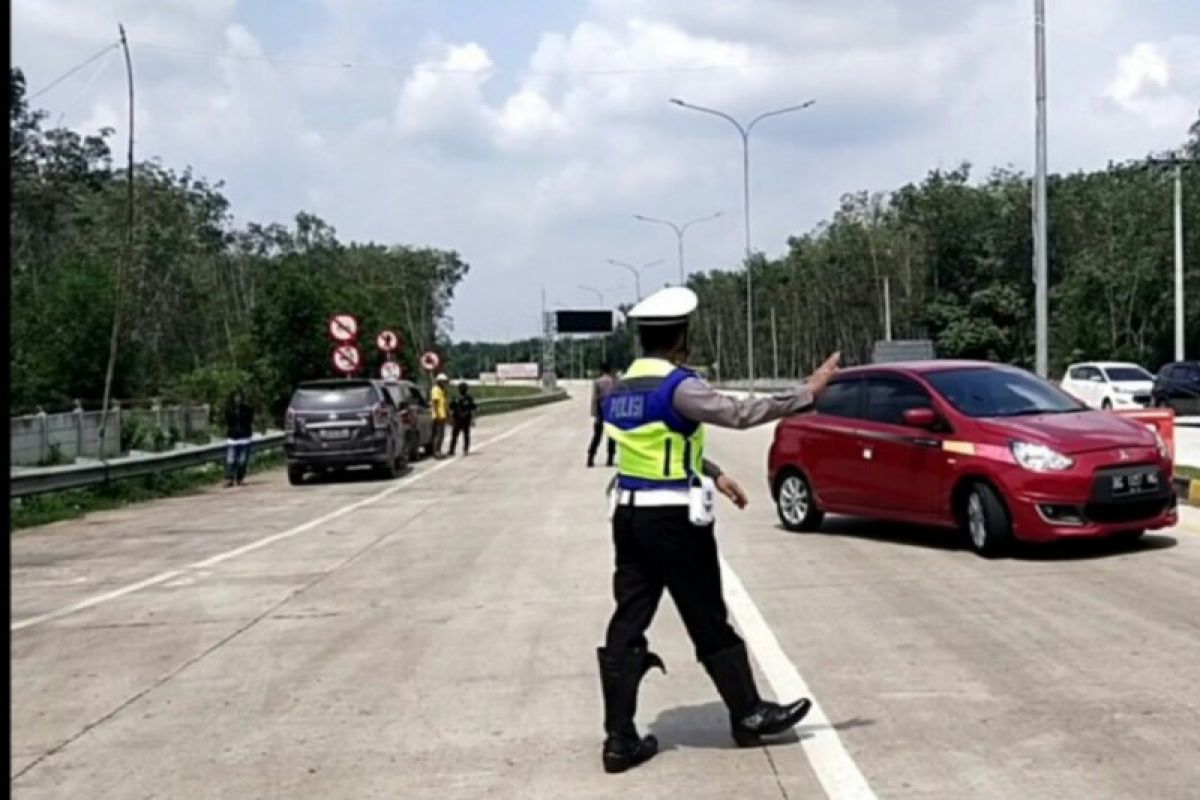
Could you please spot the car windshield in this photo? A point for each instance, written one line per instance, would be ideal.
(989, 392)
(333, 398)
(1117, 374)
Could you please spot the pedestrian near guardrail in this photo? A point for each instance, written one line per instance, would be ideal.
(239, 428)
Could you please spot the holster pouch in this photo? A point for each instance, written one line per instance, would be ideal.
(701, 500)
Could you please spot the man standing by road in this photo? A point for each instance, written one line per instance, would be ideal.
(601, 388)
(239, 428)
(438, 401)
(462, 417)
(663, 528)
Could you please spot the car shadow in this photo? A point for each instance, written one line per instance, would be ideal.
(352, 475)
(894, 532)
(949, 540)
(706, 727)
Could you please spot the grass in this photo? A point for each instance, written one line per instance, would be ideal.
(27, 512)
(1187, 472)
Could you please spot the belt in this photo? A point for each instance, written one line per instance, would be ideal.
(646, 498)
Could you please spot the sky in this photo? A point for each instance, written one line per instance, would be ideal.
(526, 135)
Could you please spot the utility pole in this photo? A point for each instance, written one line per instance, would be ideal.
(1177, 162)
(774, 347)
(126, 259)
(1040, 269)
(887, 309)
(679, 230)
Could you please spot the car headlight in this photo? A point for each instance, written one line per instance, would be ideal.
(1039, 458)
(1161, 444)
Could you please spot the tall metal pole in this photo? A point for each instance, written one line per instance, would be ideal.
(126, 261)
(1179, 321)
(887, 309)
(679, 231)
(774, 348)
(1041, 272)
(637, 272)
(744, 131)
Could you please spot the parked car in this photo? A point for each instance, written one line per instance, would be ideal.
(1178, 386)
(415, 414)
(335, 424)
(1109, 384)
(985, 448)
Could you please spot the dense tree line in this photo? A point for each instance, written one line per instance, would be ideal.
(208, 305)
(958, 258)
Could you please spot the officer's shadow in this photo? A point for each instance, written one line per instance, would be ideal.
(707, 726)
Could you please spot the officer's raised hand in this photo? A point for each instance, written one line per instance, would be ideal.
(730, 488)
(817, 382)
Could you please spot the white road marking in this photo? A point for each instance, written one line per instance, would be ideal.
(163, 577)
(837, 772)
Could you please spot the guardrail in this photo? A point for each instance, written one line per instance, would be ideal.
(77, 476)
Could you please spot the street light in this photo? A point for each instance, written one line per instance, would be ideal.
(599, 294)
(637, 272)
(745, 130)
(679, 231)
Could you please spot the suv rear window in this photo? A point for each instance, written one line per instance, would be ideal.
(334, 398)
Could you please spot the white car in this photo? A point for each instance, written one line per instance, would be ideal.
(1109, 384)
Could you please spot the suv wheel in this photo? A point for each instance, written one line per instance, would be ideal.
(987, 522)
(795, 503)
(295, 474)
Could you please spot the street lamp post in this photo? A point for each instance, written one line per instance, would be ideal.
(744, 131)
(679, 231)
(637, 272)
(604, 341)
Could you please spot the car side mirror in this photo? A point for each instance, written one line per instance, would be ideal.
(920, 418)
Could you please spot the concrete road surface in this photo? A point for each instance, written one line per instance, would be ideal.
(433, 637)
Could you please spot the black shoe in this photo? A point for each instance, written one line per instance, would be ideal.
(620, 674)
(750, 717)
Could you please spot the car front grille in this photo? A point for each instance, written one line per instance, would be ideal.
(1113, 513)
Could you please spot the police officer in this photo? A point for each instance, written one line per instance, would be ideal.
(656, 413)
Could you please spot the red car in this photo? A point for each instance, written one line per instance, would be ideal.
(982, 447)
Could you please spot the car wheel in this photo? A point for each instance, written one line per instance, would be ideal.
(295, 474)
(394, 468)
(414, 449)
(988, 526)
(1106, 405)
(796, 505)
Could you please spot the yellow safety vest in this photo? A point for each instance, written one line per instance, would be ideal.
(656, 447)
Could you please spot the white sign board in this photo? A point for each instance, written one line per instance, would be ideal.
(518, 372)
(346, 358)
(343, 327)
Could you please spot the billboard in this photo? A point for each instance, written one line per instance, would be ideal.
(584, 321)
(517, 372)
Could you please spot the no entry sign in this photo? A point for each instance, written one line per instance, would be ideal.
(390, 371)
(343, 328)
(346, 359)
(430, 361)
(388, 341)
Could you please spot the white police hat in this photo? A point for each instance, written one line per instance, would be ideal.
(670, 306)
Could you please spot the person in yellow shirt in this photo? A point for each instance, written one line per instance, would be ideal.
(440, 407)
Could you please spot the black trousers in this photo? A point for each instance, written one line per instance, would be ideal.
(463, 427)
(657, 548)
(597, 434)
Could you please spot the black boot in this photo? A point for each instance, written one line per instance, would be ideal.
(750, 716)
(620, 673)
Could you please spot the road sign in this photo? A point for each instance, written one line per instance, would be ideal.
(390, 371)
(346, 359)
(430, 361)
(343, 327)
(388, 341)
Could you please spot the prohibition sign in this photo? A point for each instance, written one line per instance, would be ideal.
(343, 327)
(346, 358)
(430, 361)
(388, 341)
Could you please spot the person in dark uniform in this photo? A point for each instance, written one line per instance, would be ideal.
(462, 417)
(656, 413)
(239, 428)
(601, 388)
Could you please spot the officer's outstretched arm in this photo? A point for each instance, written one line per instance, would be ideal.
(696, 400)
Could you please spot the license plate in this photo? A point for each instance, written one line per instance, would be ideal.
(335, 433)
(1135, 483)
